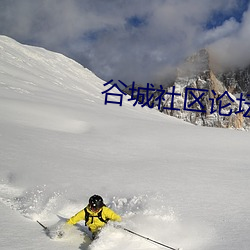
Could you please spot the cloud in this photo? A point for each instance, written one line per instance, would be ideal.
(228, 28)
(133, 40)
(232, 50)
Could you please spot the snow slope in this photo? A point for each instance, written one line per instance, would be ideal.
(176, 183)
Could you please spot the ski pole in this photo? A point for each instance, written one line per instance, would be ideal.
(146, 238)
(45, 228)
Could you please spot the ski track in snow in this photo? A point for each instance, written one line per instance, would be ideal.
(56, 134)
(145, 214)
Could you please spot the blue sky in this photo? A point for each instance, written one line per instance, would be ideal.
(218, 17)
(131, 40)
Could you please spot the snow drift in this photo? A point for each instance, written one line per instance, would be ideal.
(182, 185)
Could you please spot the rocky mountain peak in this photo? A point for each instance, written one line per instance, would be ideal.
(204, 95)
(204, 89)
(197, 64)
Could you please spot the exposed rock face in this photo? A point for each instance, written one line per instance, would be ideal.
(202, 95)
(207, 98)
(237, 80)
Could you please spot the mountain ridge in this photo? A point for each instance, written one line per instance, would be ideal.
(198, 72)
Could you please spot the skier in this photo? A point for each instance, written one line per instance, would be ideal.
(95, 214)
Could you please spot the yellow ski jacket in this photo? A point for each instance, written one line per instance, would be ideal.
(94, 223)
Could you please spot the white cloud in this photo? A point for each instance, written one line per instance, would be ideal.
(100, 35)
(233, 50)
(228, 28)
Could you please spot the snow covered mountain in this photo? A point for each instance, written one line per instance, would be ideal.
(201, 94)
(204, 89)
(182, 185)
(236, 80)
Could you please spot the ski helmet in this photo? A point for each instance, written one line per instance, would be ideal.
(95, 202)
